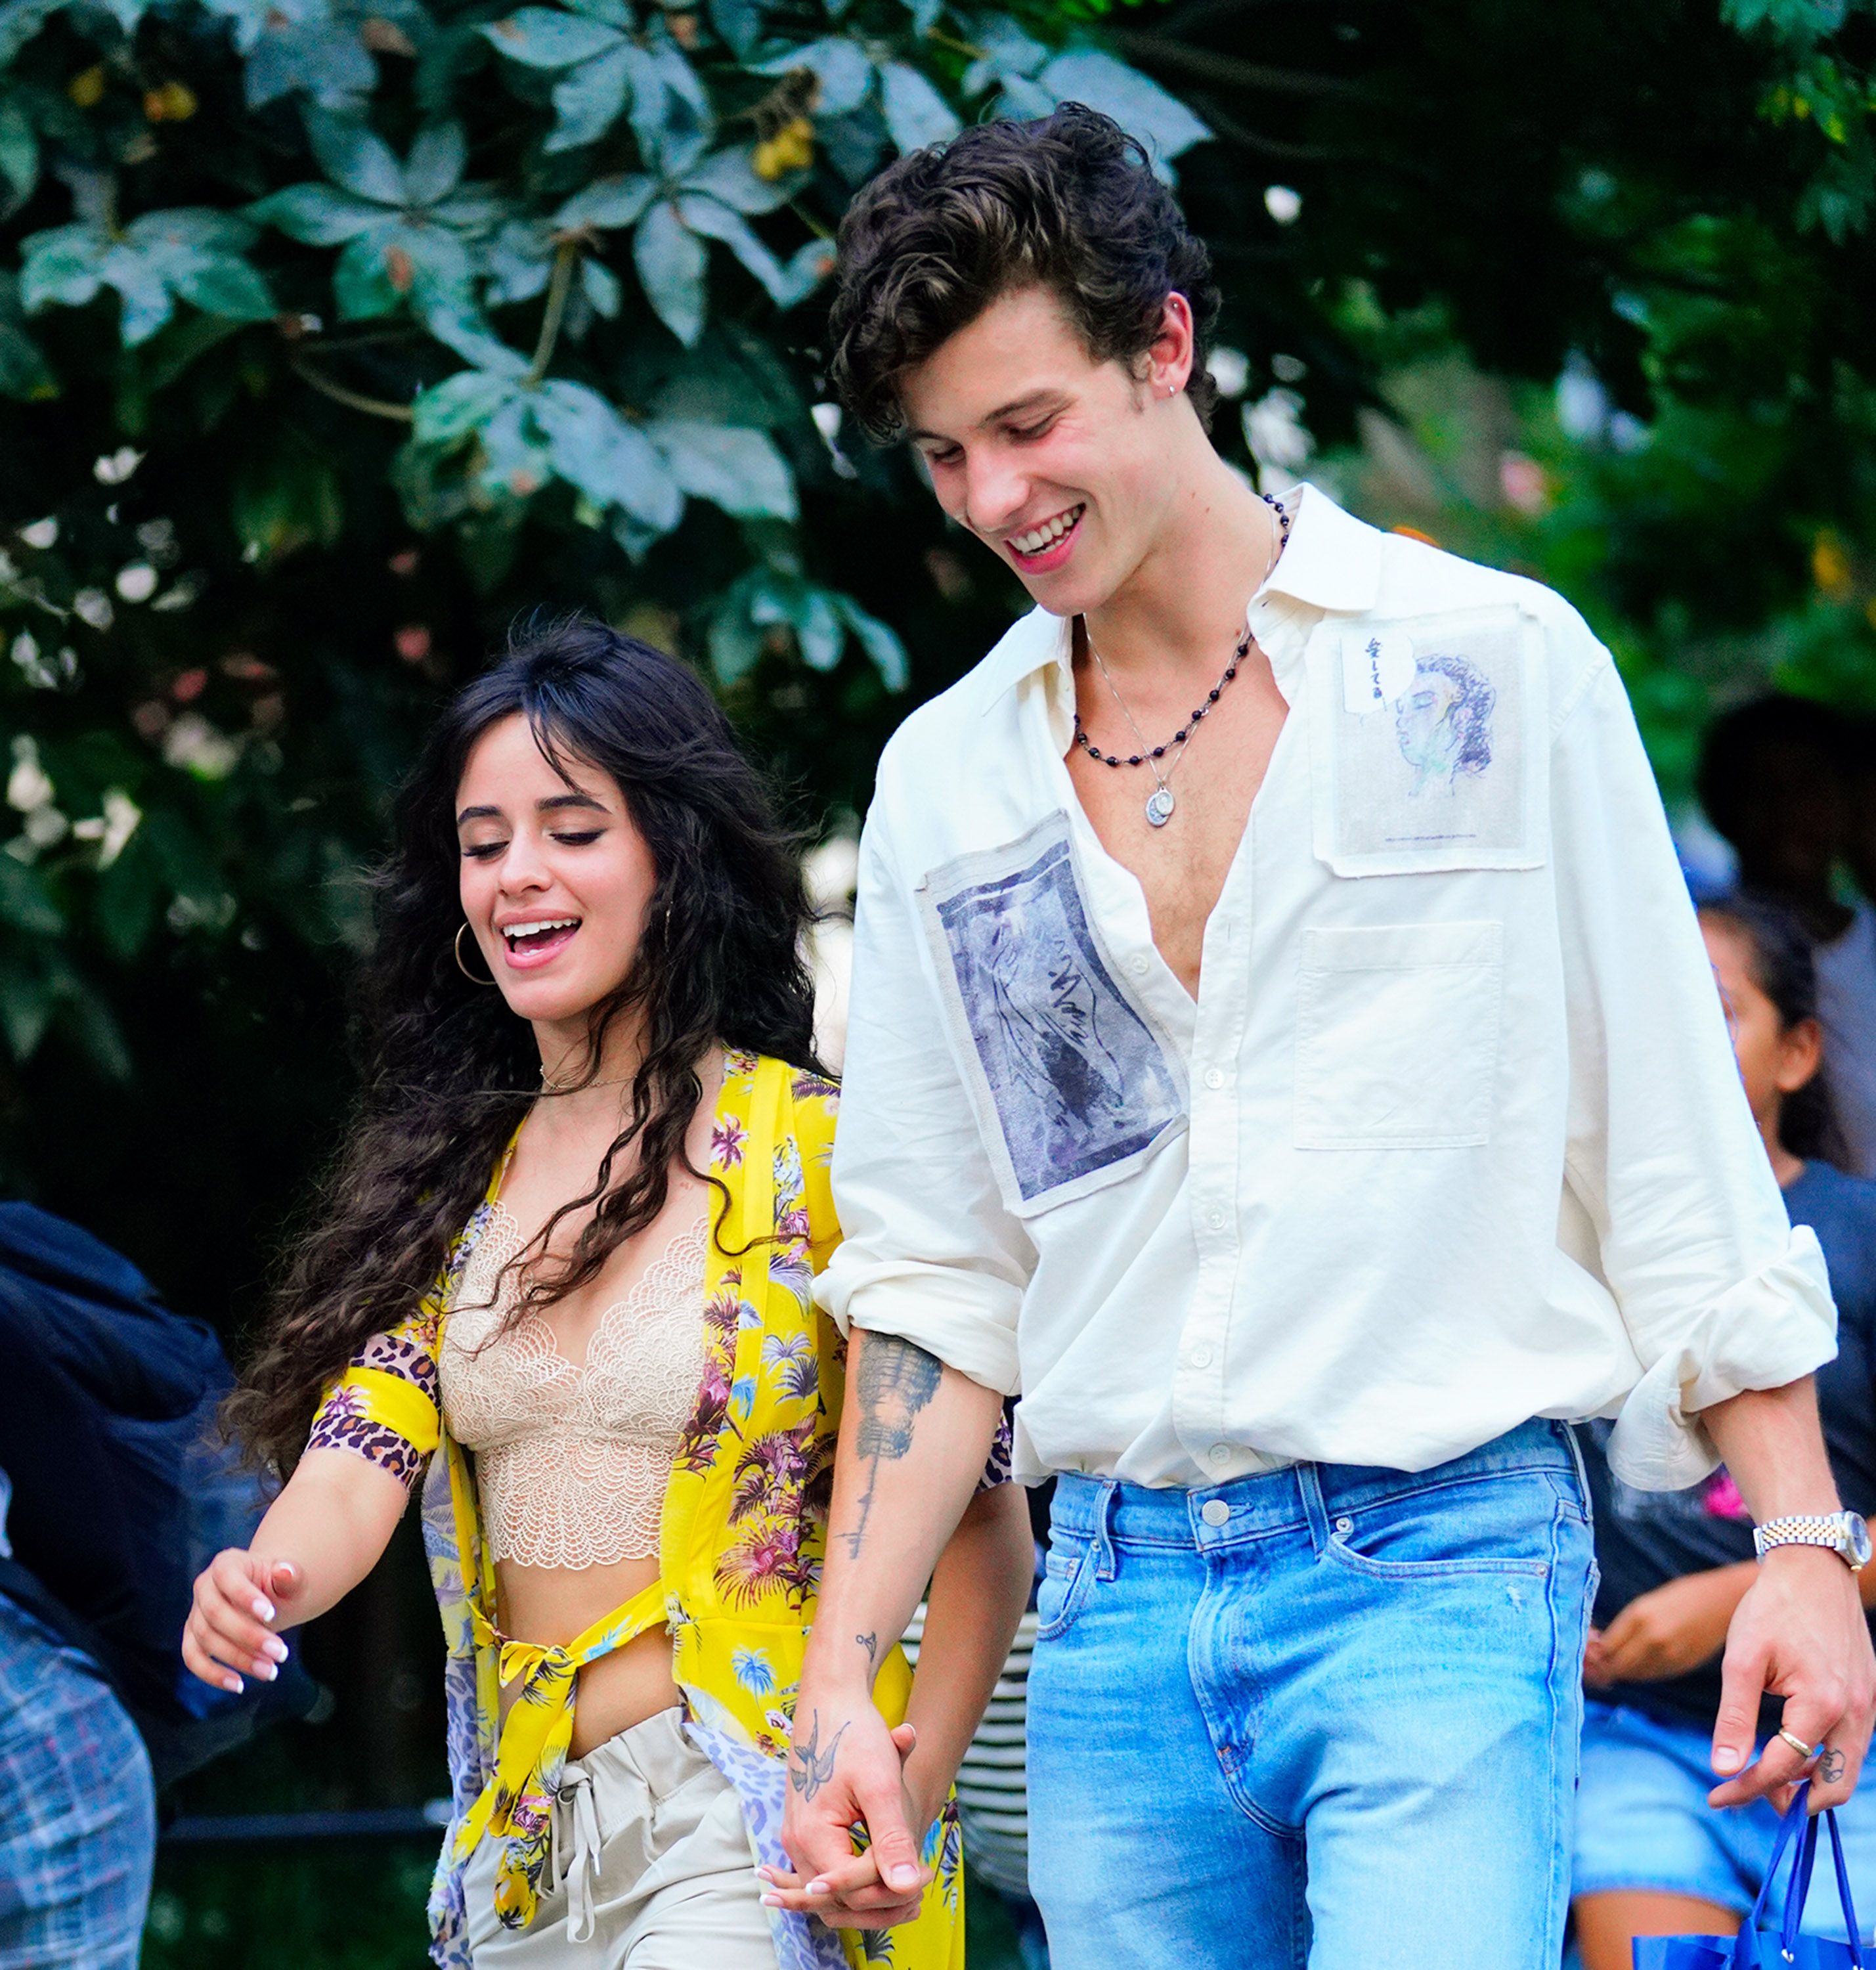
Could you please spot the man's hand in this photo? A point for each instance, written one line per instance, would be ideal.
(1798, 1633)
(1675, 1627)
(847, 1769)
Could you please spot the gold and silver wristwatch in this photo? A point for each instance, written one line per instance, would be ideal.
(1843, 1533)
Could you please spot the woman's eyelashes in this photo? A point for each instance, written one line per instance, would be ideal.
(486, 851)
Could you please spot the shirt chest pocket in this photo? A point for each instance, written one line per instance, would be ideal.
(1397, 1036)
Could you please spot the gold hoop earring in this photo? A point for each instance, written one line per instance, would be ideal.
(457, 947)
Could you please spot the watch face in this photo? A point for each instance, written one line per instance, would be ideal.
(1857, 1534)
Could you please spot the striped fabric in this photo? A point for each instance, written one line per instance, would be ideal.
(993, 1781)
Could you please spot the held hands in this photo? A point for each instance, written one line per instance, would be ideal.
(1798, 1633)
(847, 1769)
(240, 1598)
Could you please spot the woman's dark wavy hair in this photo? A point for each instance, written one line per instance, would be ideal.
(1784, 967)
(449, 1071)
(1068, 200)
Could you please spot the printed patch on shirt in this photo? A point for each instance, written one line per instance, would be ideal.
(1433, 756)
(1072, 1080)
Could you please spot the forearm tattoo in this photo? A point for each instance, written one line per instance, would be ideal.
(810, 1767)
(896, 1379)
(871, 1644)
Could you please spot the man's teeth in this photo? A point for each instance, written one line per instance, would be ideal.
(519, 933)
(1047, 533)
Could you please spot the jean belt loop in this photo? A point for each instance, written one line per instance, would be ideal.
(1309, 1485)
(1103, 1537)
(1577, 1464)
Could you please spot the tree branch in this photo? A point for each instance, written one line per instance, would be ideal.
(565, 255)
(1149, 49)
(375, 407)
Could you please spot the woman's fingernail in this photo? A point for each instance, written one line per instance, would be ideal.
(772, 1901)
(265, 1670)
(263, 1610)
(275, 1647)
(233, 1684)
(1726, 1759)
(819, 1888)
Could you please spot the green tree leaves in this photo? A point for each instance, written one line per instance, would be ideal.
(193, 254)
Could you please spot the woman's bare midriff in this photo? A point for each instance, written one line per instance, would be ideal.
(554, 1604)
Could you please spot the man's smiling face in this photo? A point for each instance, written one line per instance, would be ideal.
(1057, 463)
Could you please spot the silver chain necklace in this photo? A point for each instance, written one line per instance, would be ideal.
(1160, 802)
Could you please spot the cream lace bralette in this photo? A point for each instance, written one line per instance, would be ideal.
(572, 1460)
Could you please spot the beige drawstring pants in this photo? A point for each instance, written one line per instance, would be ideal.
(649, 1868)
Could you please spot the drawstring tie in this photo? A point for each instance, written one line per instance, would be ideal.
(582, 1870)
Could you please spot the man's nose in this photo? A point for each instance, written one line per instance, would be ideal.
(995, 491)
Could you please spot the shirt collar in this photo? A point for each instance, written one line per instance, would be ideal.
(1332, 562)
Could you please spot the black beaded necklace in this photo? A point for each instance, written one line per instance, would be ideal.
(1159, 802)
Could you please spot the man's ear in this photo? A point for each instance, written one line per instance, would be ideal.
(1169, 360)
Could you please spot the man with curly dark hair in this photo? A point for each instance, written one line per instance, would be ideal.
(1306, 1149)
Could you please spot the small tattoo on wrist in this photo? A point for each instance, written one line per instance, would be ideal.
(815, 1766)
(871, 1644)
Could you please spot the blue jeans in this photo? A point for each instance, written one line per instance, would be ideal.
(1327, 1716)
(1642, 1822)
(77, 1810)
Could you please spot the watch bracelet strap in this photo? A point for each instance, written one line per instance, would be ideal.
(1802, 1529)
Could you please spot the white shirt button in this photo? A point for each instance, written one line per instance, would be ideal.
(1214, 1512)
(1215, 1219)
(1200, 1357)
(1220, 1453)
(1137, 964)
(1214, 1077)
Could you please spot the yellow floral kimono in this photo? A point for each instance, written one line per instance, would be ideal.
(743, 1528)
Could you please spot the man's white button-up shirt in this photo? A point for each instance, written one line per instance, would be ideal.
(1452, 1136)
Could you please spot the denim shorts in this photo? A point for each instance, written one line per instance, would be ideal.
(1642, 1822)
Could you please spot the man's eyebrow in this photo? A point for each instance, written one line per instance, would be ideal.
(1014, 408)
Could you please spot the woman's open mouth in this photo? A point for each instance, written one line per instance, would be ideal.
(1040, 550)
(532, 943)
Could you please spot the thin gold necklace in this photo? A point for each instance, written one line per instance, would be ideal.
(548, 1087)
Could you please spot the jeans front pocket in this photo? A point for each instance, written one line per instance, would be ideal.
(1067, 1579)
(1397, 1036)
(1504, 1524)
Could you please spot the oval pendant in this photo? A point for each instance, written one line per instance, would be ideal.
(1159, 806)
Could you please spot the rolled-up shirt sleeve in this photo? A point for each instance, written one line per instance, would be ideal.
(928, 1253)
(1718, 1291)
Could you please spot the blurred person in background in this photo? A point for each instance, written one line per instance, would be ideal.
(113, 1489)
(589, 982)
(1781, 778)
(1652, 1858)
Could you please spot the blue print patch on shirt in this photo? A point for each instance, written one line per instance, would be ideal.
(1077, 1081)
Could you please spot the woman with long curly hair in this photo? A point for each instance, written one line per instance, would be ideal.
(560, 1275)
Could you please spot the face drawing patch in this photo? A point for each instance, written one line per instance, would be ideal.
(1442, 721)
(1428, 762)
(1075, 1080)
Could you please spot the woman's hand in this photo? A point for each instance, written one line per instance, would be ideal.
(240, 1598)
(1669, 1630)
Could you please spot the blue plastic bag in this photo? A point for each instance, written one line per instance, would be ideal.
(1755, 1949)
